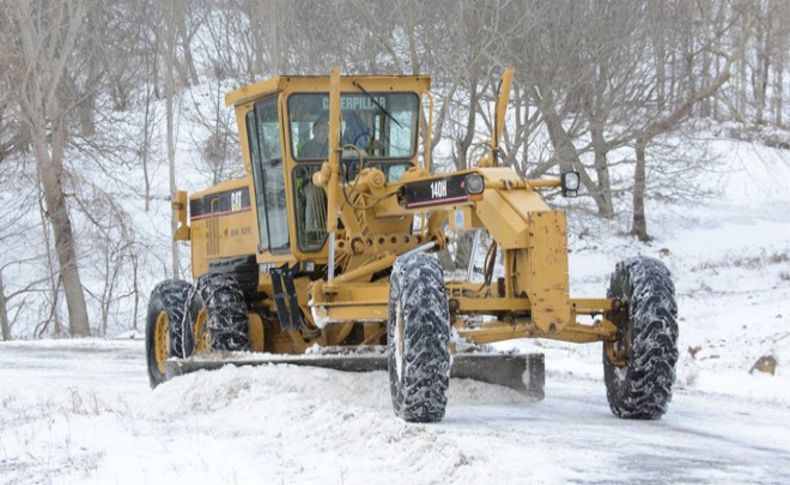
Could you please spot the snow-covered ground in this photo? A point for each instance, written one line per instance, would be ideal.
(82, 411)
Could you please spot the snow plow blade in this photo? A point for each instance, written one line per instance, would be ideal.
(521, 372)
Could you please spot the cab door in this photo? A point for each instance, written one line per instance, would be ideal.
(269, 176)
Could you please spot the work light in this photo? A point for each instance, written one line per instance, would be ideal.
(474, 183)
(570, 183)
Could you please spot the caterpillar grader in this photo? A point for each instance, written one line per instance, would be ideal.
(323, 253)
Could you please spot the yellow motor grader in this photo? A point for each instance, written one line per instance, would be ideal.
(323, 253)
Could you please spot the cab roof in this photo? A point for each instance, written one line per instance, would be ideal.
(251, 92)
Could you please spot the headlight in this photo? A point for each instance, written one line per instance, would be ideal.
(570, 183)
(475, 184)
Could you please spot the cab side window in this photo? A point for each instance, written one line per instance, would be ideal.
(269, 175)
(260, 200)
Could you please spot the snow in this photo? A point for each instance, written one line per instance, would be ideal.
(76, 411)
(81, 410)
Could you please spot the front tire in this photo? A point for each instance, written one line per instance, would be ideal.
(639, 367)
(418, 336)
(167, 332)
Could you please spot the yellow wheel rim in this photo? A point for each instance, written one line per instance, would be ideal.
(202, 338)
(162, 340)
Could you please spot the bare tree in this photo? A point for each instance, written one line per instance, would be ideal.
(112, 240)
(12, 229)
(149, 122)
(656, 127)
(41, 39)
(592, 78)
(171, 15)
(15, 224)
(5, 325)
(780, 16)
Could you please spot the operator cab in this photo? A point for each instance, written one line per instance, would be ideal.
(287, 134)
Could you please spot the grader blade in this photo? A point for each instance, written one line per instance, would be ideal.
(521, 372)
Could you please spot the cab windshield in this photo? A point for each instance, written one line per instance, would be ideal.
(382, 125)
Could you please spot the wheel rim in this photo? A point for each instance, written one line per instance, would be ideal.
(202, 338)
(618, 352)
(398, 342)
(162, 340)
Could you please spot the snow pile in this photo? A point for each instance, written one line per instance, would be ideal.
(282, 423)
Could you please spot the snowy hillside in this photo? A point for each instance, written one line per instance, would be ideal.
(81, 411)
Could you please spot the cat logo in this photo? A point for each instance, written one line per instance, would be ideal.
(235, 201)
(439, 189)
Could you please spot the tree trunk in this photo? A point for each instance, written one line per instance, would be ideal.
(466, 142)
(760, 75)
(639, 227)
(52, 276)
(565, 152)
(606, 206)
(87, 108)
(670, 97)
(170, 47)
(276, 28)
(661, 76)
(778, 90)
(5, 326)
(148, 128)
(705, 104)
(527, 127)
(778, 87)
(413, 56)
(50, 171)
(135, 289)
(716, 99)
(106, 296)
(742, 40)
(258, 40)
(188, 58)
(155, 62)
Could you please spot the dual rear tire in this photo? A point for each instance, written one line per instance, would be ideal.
(182, 319)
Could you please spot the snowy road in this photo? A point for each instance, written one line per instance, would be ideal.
(82, 412)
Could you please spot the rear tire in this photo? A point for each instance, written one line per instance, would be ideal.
(166, 309)
(226, 309)
(647, 340)
(418, 336)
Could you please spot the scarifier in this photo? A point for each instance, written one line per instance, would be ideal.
(323, 254)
